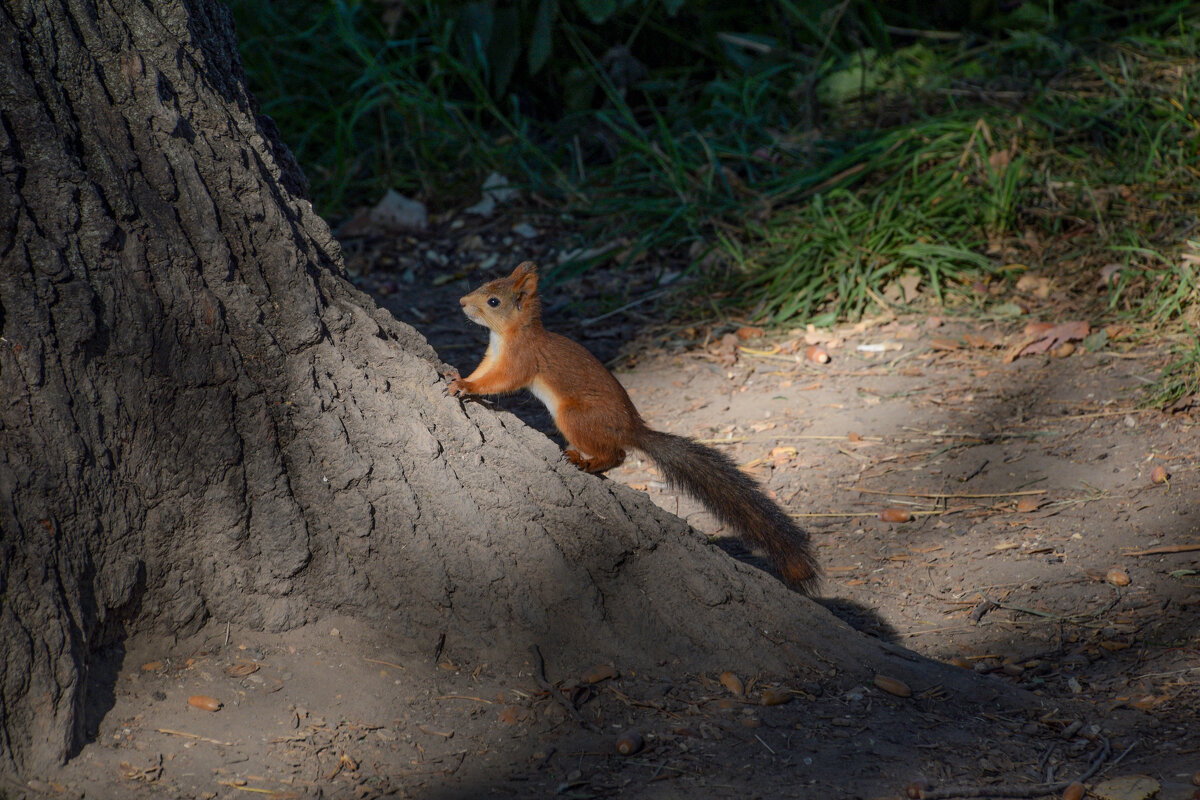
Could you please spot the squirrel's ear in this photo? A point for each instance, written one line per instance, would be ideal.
(525, 277)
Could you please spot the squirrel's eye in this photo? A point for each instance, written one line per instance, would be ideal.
(493, 301)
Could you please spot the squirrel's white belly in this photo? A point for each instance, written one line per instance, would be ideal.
(549, 399)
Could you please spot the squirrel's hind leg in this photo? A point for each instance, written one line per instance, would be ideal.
(597, 463)
(592, 444)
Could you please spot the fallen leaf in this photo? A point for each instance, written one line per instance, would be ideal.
(726, 350)
(1148, 702)
(732, 682)
(1107, 272)
(781, 455)
(600, 672)
(241, 670)
(749, 332)
(892, 686)
(813, 335)
(510, 715)
(916, 789)
(1182, 404)
(346, 761)
(1066, 332)
(1095, 341)
(1008, 310)
(909, 282)
(1117, 331)
(1037, 285)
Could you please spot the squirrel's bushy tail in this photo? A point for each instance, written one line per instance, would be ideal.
(735, 499)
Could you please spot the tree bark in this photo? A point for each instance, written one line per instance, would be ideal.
(200, 418)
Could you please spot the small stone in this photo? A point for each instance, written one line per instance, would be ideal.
(397, 212)
(1128, 787)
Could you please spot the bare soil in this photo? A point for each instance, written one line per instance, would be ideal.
(1030, 485)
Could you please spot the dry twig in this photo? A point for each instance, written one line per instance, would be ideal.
(544, 682)
(1165, 548)
(193, 736)
(1103, 751)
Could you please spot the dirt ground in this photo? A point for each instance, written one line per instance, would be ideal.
(1037, 554)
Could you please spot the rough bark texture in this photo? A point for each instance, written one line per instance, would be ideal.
(200, 418)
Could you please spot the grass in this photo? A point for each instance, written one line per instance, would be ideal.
(1179, 379)
(364, 110)
(809, 179)
(929, 209)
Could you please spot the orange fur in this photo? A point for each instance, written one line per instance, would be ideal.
(600, 423)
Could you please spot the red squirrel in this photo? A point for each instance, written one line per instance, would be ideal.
(600, 423)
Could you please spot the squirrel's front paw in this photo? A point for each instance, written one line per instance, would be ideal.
(459, 387)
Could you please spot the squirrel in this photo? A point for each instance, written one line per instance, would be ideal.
(593, 412)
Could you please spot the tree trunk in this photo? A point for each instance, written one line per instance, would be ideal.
(200, 418)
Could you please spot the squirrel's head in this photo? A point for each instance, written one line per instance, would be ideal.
(499, 304)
